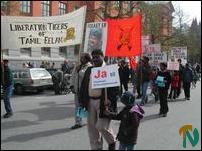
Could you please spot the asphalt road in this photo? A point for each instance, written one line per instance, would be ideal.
(43, 121)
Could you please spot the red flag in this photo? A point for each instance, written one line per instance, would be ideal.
(124, 37)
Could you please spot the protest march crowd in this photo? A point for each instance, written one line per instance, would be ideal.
(164, 85)
(99, 104)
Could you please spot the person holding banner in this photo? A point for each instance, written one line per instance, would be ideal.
(163, 81)
(76, 79)
(93, 100)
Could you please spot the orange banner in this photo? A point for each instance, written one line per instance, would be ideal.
(124, 37)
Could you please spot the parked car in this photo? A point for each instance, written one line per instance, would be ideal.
(31, 79)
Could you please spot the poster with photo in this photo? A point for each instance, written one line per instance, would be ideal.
(95, 38)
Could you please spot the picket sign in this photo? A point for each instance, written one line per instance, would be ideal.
(104, 77)
(173, 66)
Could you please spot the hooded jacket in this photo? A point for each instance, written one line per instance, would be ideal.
(130, 117)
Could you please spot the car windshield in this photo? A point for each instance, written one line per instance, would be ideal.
(39, 73)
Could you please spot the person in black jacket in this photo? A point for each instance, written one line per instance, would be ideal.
(7, 81)
(163, 81)
(181, 70)
(130, 117)
(93, 100)
(187, 79)
(124, 73)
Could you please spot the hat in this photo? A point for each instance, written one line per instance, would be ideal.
(127, 98)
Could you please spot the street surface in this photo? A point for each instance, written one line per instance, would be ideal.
(43, 121)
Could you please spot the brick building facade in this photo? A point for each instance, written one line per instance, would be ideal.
(96, 11)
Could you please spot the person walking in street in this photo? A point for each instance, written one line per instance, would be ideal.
(43, 64)
(57, 78)
(181, 68)
(139, 78)
(163, 81)
(145, 73)
(124, 73)
(154, 88)
(93, 100)
(7, 82)
(174, 85)
(65, 67)
(53, 65)
(77, 77)
(187, 79)
(130, 117)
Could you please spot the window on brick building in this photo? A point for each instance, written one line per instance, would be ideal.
(5, 52)
(62, 8)
(76, 7)
(116, 3)
(25, 52)
(63, 52)
(25, 7)
(45, 52)
(45, 8)
(4, 6)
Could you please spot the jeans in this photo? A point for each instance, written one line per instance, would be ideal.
(7, 94)
(78, 120)
(144, 91)
(123, 146)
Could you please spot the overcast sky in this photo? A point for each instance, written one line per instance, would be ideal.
(192, 9)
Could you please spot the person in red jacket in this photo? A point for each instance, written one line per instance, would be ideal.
(174, 85)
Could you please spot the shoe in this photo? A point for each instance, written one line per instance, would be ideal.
(164, 115)
(138, 97)
(142, 104)
(188, 98)
(112, 146)
(7, 115)
(76, 126)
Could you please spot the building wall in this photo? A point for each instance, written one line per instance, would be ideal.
(36, 8)
(72, 52)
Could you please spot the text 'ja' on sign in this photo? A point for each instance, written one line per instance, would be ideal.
(104, 77)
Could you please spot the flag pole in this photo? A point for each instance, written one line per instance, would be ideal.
(81, 43)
